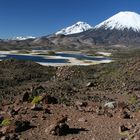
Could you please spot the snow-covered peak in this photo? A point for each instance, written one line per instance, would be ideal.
(23, 38)
(76, 28)
(121, 21)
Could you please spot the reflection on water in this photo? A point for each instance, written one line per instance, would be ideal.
(34, 58)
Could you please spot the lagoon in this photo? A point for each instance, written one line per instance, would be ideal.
(59, 58)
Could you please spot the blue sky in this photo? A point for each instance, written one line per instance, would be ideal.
(42, 17)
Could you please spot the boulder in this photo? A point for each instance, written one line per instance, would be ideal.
(59, 128)
(110, 105)
(25, 97)
(37, 90)
(50, 100)
(123, 128)
(13, 112)
(126, 115)
(100, 111)
(89, 84)
(37, 107)
(81, 104)
(22, 126)
(10, 137)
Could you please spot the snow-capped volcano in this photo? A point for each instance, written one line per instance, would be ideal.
(76, 28)
(23, 38)
(122, 20)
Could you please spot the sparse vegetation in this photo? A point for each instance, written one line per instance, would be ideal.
(132, 99)
(125, 133)
(36, 100)
(5, 122)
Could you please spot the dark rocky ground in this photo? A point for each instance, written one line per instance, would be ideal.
(100, 102)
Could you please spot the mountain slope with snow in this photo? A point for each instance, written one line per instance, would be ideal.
(76, 28)
(122, 20)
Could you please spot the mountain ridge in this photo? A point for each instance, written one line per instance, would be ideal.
(75, 28)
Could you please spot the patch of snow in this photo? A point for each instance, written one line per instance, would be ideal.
(104, 53)
(23, 38)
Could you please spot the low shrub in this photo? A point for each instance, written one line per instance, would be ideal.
(5, 122)
(36, 99)
(132, 99)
